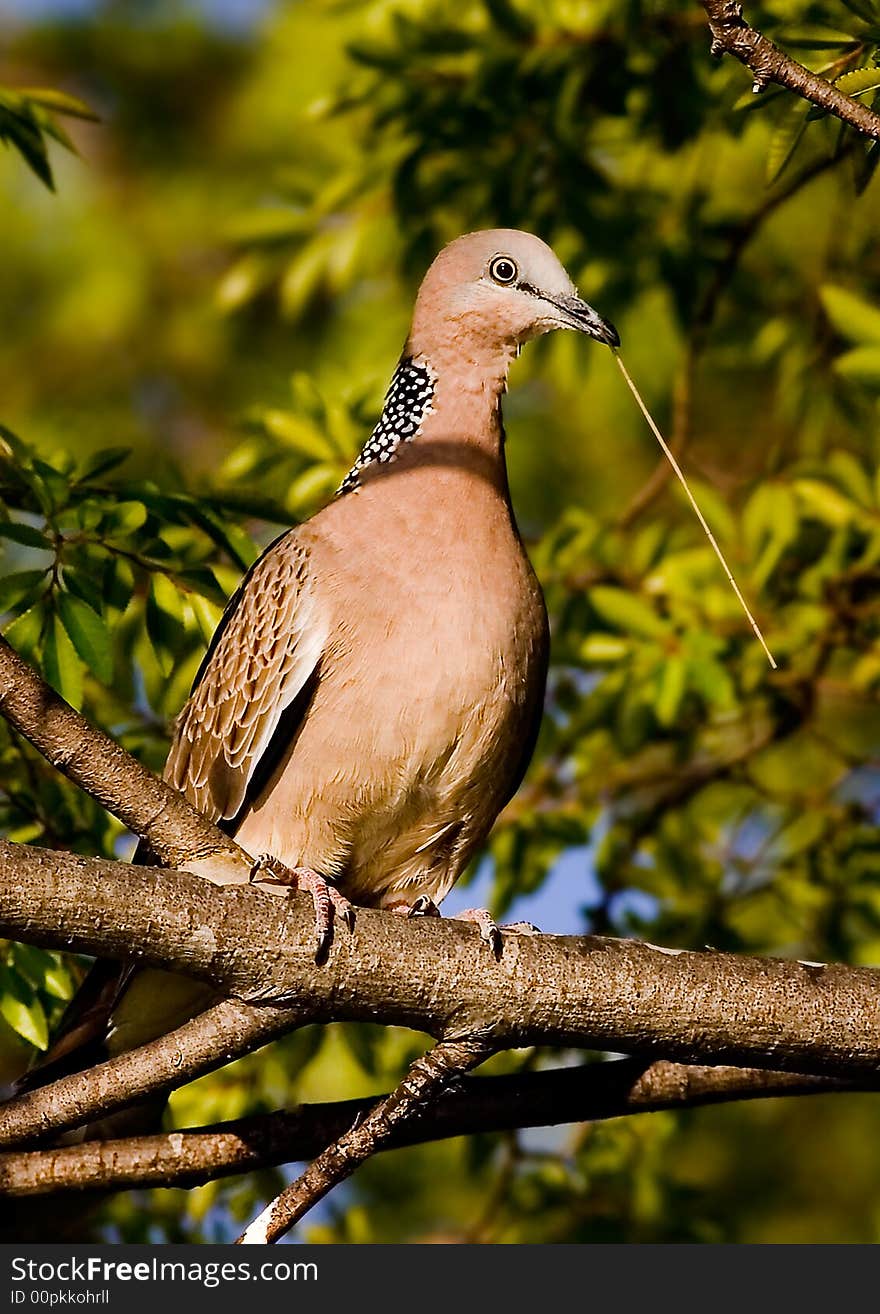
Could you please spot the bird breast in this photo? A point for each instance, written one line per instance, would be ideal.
(428, 690)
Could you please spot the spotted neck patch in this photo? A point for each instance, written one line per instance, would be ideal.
(407, 402)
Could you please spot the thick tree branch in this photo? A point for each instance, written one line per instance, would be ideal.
(176, 833)
(436, 976)
(423, 1085)
(217, 1036)
(485, 1104)
(731, 34)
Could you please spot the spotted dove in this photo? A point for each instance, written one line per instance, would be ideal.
(371, 697)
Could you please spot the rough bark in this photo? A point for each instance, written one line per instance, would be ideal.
(732, 35)
(533, 1099)
(428, 1078)
(437, 976)
(217, 1036)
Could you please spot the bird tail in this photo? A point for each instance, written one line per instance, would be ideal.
(118, 1007)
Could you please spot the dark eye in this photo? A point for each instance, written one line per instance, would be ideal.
(503, 269)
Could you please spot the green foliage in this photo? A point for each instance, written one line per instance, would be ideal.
(222, 289)
(29, 116)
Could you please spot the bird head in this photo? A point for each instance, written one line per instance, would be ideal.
(496, 289)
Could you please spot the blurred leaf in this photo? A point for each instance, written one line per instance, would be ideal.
(851, 316)
(58, 101)
(673, 683)
(825, 501)
(628, 612)
(861, 364)
(103, 461)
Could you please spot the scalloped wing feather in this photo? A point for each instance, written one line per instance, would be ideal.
(268, 645)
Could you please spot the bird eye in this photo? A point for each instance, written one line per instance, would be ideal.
(503, 269)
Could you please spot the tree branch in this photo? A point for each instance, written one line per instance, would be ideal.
(424, 1083)
(436, 976)
(215, 1037)
(731, 34)
(590, 1093)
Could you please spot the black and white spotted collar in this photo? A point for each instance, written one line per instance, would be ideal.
(407, 402)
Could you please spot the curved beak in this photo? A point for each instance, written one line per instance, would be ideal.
(583, 318)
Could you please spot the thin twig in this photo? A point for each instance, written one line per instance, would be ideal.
(732, 35)
(423, 1084)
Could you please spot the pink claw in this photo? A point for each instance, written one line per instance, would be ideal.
(328, 902)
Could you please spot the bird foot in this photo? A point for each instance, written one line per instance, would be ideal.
(329, 904)
(490, 931)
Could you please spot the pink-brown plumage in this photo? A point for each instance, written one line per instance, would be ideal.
(372, 697)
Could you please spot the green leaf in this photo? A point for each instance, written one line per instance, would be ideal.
(627, 612)
(42, 970)
(22, 131)
(800, 835)
(124, 518)
(85, 586)
(313, 486)
(852, 317)
(108, 458)
(771, 512)
(852, 476)
(117, 581)
(19, 532)
(248, 276)
(89, 635)
(24, 632)
(165, 626)
(711, 681)
(671, 690)
(864, 9)
(826, 502)
(57, 981)
(202, 580)
(226, 534)
(861, 364)
(21, 1008)
(600, 649)
(298, 433)
(207, 616)
(785, 140)
(859, 81)
(510, 19)
(61, 666)
(59, 102)
(364, 1040)
(19, 587)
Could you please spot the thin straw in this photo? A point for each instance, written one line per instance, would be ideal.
(702, 519)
